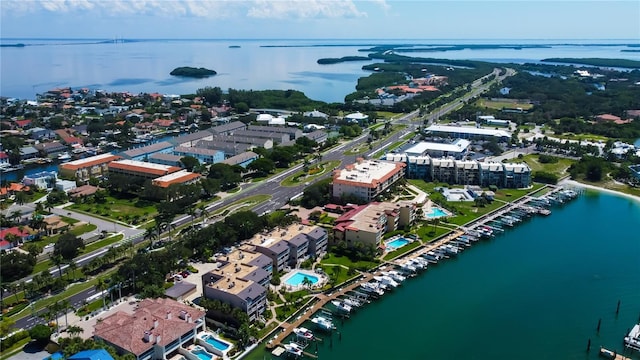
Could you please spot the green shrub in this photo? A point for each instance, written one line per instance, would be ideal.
(13, 339)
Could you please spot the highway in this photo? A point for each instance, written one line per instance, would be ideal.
(280, 195)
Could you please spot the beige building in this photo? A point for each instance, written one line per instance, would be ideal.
(84, 169)
(368, 223)
(366, 179)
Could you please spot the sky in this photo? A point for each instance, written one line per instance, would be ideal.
(320, 19)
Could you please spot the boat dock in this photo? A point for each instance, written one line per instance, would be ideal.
(322, 300)
(606, 353)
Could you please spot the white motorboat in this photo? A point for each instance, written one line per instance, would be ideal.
(341, 306)
(352, 302)
(303, 333)
(64, 156)
(323, 323)
(632, 340)
(395, 275)
(372, 288)
(294, 348)
(386, 280)
(450, 249)
(408, 268)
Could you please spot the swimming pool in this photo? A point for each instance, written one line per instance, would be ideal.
(216, 343)
(297, 279)
(436, 213)
(202, 354)
(397, 243)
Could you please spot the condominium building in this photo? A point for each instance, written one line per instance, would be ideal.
(205, 156)
(291, 245)
(366, 179)
(182, 177)
(472, 133)
(368, 223)
(465, 172)
(143, 153)
(456, 149)
(156, 329)
(84, 169)
(141, 169)
(238, 284)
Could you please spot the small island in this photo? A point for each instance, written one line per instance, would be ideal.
(234, 46)
(188, 71)
(325, 61)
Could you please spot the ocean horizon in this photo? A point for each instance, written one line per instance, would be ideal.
(143, 65)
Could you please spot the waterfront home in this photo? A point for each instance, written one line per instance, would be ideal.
(43, 180)
(51, 148)
(28, 152)
(156, 329)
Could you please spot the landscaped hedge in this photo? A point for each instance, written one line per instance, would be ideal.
(13, 339)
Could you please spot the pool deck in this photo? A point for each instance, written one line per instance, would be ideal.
(323, 299)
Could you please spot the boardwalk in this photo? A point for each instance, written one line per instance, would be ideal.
(323, 299)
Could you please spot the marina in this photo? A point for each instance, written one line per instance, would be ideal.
(365, 290)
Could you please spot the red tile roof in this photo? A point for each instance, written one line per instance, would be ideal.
(23, 123)
(127, 331)
(80, 164)
(13, 230)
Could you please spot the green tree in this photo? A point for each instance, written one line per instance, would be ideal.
(68, 246)
(40, 333)
(262, 166)
(190, 162)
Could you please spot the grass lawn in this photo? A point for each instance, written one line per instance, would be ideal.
(559, 168)
(241, 204)
(71, 290)
(345, 261)
(581, 137)
(301, 176)
(403, 250)
(15, 348)
(102, 243)
(267, 329)
(118, 209)
(338, 273)
(390, 148)
(427, 234)
(41, 266)
(503, 104)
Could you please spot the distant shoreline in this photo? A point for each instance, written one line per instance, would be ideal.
(601, 189)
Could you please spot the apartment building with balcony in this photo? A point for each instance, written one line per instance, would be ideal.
(84, 169)
(366, 179)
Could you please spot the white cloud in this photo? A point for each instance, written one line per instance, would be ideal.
(282, 9)
(269, 9)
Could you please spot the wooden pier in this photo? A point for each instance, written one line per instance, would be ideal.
(322, 300)
(606, 353)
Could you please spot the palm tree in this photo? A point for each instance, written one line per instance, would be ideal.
(102, 285)
(74, 330)
(73, 266)
(58, 260)
(306, 282)
(65, 306)
(21, 198)
(15, 215)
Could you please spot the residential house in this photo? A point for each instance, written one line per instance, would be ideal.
(43, 180)
(98, 354)
(28, 152)
(51, 148)
(156, 329)
(54, 224)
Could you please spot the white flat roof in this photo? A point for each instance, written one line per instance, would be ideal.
(468, 130)
(174, 176)
(144, 164)
(366, 171)
(459, 145)
(89, 159)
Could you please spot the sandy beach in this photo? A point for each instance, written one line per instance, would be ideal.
(597, 188)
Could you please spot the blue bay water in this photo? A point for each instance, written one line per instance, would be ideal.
(535, 292)
(144, 66)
